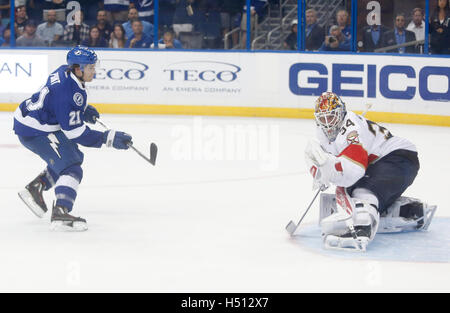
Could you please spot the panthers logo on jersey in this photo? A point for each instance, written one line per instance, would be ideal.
(353, 137)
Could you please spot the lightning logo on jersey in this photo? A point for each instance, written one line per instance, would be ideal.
(54, 143)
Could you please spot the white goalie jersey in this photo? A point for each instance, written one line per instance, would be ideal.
(360, 142)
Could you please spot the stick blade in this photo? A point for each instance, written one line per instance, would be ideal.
(291, 227)
(153, 153)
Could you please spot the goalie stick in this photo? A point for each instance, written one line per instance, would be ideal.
(153, 147)
(291, 227)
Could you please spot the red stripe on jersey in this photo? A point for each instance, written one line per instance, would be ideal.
(338, 167)
(372, 158)
(357, 154)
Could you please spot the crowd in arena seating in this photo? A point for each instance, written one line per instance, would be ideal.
(203, 24)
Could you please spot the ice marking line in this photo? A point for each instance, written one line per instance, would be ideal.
(9, 146)
(208, 181)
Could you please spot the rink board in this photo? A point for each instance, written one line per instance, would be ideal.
(432, 245)
(402, 89)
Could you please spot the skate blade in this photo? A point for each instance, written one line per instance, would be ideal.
(60, 226)
(291, 227)
(27, 198)
(332, 242)
(431, 210)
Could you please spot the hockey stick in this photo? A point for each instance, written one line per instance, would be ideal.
(153, 147)
(368, 107)
(291, 227)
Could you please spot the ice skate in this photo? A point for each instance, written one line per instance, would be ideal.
(346, 243)
(33, 198)
(407, 214)
(62, 221)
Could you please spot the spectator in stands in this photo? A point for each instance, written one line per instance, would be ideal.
(253, 21)
(6, 37)
(230, 16)
(209, 24)
(21, 19)
(29, 37)
(95, 40)
(344, 23)
(51, 30)
(103, 26)
(440, 28)
(417, 25)
(336, 41)
(144, 8)
(184, 17)
(133, 15)
(116, 10)
(118, 39)
(290, 43)
(37, 9)
(166, 11)
(314, 33)
(371, 37)
(90, 9)
(259, 6)
(399, 36)
(77, 31)
(139, 39)
(169, 41)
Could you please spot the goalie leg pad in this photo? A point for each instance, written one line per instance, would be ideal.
(407, 214)
(337, 225)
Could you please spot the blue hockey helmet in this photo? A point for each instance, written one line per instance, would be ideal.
(81, 56)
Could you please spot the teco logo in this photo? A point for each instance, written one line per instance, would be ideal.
(205, 71)
(121, 69)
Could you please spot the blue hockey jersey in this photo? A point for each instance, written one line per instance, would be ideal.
(58, 106)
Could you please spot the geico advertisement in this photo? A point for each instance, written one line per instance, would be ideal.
(285, 80)
(397, 84)
(22, 73)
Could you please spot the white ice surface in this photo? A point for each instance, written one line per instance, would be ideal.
(199, 225)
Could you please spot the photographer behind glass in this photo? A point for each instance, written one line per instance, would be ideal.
(336, 41)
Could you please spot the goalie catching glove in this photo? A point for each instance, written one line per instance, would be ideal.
(321, 165)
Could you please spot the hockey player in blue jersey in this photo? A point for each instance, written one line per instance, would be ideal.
(52, 124)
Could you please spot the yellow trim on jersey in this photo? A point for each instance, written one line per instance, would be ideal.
(384, 117)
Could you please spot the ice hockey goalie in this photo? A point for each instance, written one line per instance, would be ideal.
(371, 168)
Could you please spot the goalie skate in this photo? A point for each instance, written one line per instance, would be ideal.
(32, 197)
(62, 221)
(407, 214)
(333, 242)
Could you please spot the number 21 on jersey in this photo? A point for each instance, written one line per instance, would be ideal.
(74, 118)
